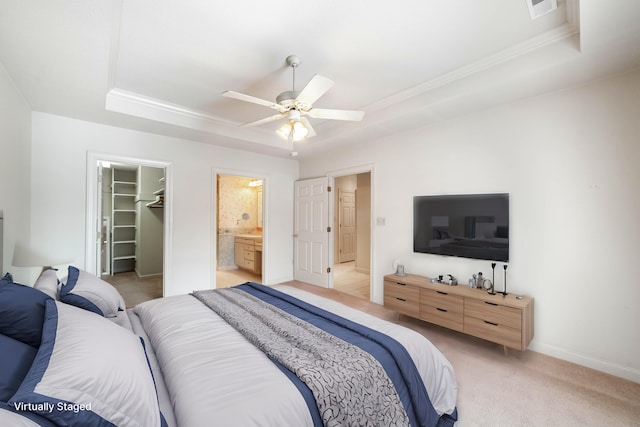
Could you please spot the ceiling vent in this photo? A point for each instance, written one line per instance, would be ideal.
(537, 8)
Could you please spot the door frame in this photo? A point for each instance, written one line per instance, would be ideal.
(265, 219)
(94, 217)
(372, 267)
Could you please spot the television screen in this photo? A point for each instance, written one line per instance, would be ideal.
(470, 226)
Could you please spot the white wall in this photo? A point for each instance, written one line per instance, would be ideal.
(571, 163)
(15, 135)
(58, 197)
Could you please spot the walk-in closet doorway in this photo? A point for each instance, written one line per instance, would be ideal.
(127, 224)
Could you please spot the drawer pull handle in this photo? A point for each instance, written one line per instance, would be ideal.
(441, 309)
(442, 293)
(401, 299)
(490, 323)
(401, 284)
(491, 303)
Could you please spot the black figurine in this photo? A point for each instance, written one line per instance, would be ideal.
(493, 278)
(504, 293)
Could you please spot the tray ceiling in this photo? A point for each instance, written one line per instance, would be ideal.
(160, 66)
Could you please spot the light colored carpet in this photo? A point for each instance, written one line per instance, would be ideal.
(494, 389)
(135, 289)
(518, 388)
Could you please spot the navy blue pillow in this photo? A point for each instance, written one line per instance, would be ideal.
(8, 278)
(22, 312)
(17, 358)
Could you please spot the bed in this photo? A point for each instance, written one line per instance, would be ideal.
(75, 356)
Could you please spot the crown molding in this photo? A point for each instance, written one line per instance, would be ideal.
(563, 32)
(135, 104)
(138, 105)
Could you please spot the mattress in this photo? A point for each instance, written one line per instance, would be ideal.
(212, 372)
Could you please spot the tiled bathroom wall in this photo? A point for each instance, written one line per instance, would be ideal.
(237, 214)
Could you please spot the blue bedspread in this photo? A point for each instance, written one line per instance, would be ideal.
(394, 358)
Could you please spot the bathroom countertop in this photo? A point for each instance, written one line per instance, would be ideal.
(256, 237)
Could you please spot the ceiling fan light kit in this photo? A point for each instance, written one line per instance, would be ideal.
(295, 128)
(295, 131)
(292, 105)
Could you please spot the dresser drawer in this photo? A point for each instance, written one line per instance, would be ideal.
(243, 241)
(442, 300)
(500, 334)
(402, 298)
(399, 290)
(493, 312)
(249, 255)
(441, 316)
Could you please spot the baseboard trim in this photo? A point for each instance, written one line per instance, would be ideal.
(618, 370)
(143, 276)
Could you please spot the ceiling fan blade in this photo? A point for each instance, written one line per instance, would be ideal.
(307, 124)
(317, 87)
(253, 99)
(266, 120)
(323, 113)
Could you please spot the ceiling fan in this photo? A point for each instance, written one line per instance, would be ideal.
(294, 105)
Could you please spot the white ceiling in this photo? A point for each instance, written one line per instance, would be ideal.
(160, 66)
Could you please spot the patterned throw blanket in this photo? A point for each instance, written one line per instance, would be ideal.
(349, 385)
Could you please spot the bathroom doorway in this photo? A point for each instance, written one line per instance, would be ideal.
(239, 229)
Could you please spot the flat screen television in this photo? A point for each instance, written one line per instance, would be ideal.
(469, 226)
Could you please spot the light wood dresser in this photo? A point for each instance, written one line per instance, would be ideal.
(504, 320)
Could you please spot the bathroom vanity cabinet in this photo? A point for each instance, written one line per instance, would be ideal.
(248, 252)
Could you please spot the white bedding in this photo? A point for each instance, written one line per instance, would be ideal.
(163, 394)
(214, 375)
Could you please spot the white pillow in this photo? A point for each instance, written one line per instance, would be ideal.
(89, 371)
(48, 283)
(87, 291)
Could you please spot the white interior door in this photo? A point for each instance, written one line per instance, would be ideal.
(347, 224)
(311, 231)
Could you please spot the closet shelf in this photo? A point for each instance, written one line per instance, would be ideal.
(156, 204)
(116, 258)
(159, 201)
(124, 185)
